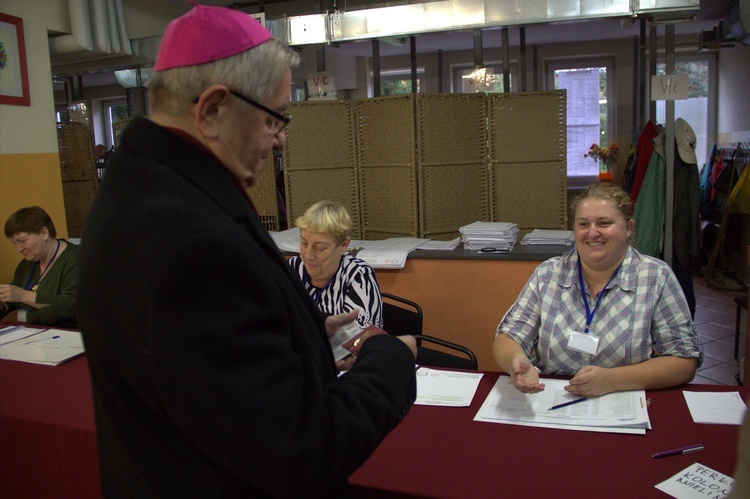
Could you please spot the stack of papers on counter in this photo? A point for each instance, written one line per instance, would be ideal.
(39, 346)
(618, 412)
(501, 236)
(540, 236)
(287, 240)
(389, 253)
(386, 254)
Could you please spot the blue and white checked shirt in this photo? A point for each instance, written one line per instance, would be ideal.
(643, 314)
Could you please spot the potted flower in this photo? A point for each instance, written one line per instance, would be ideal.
(607, 159)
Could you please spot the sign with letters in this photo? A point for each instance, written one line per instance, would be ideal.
(669, 87)
(698, 482)
(321, 86)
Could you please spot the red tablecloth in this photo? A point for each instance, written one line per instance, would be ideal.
(47, 437)
(442, 452)
(48, 446)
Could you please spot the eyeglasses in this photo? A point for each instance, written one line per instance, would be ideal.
(276, 123)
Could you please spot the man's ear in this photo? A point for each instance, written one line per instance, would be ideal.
(209, 109)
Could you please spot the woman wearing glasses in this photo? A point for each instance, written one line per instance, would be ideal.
(336, 281)
(43, 289)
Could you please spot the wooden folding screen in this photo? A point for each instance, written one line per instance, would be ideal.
(452, 149)
(387, 167)
(264, 196)
(528, 158)
(320, 158)
(78, 170)
(424, 165)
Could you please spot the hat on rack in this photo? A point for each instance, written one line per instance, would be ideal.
(207, 34)
(685, 138)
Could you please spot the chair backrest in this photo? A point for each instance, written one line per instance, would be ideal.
(408, 319)
(399, 320)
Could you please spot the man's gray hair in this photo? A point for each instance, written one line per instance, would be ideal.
(253, 73)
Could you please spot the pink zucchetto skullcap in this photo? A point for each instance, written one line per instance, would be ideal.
(207, 34)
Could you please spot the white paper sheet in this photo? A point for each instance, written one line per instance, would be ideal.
(697, 481)
(619, 412)
(390, 253)
(716, 407)
(440, 245)
(50, 347)
(287, 240)
(10, 334)
(446, 388)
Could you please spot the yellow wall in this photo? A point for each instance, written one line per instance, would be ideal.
(25, 180)
(29, 162)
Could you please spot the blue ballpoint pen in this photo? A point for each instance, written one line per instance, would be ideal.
(558, 406)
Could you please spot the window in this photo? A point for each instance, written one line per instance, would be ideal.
(696, 109)
(61, 113)
(467, 79)
(114, 111)
(398, 81)
(589, 88)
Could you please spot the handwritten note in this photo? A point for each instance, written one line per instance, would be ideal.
(697, 481)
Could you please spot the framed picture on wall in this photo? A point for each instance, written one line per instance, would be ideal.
(14, 76)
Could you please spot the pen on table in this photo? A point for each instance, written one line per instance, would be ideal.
(559, 406)
(678, 452)
(40, 340)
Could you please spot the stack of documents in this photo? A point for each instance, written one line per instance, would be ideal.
(618, 412)
(540, 236)
(498, 236)
(389, 253)
(39, 346)
(287, 240)
(386, 254)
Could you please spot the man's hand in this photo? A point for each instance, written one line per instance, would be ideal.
(334, 322)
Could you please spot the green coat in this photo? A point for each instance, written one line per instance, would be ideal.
(58, 288)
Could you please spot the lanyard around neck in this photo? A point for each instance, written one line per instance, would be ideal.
(41, 274)
(590, 313)
(317, 294)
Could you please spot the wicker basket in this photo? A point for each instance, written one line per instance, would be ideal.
(76, 151)
(80, 181)
(78, 195)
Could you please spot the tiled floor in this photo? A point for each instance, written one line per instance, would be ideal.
(715, 316)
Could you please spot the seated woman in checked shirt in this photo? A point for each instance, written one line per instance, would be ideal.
(607, 315)
(336, 281)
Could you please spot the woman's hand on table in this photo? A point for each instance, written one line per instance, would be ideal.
(591, 381)
(524, 376)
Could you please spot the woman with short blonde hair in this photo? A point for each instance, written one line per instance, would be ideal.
(336, 281)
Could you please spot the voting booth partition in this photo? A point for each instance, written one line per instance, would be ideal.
(320, 159)
(265, 197)
(423, 165)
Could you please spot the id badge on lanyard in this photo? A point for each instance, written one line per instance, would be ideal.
(21, 314)
(585, 342)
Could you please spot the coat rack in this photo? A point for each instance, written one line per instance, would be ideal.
(739, 154)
